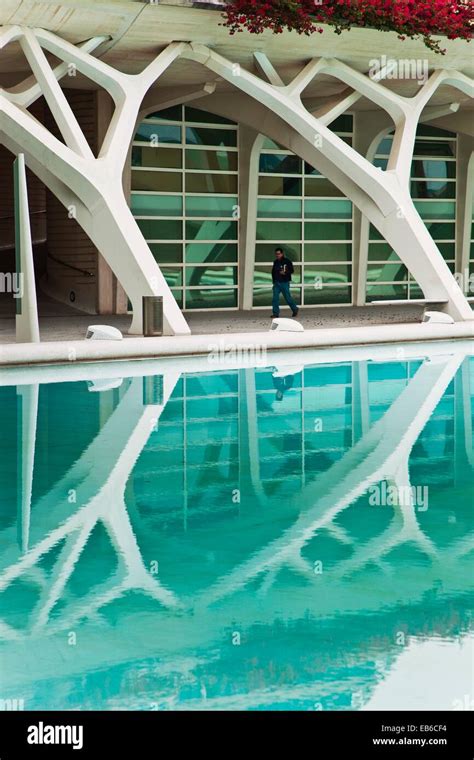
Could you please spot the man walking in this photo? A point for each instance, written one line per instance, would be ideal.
(281, 276)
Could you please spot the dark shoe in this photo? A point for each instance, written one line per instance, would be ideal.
(295, 313)
(275, 316)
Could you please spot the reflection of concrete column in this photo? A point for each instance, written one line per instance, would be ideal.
(27, 410)
(250, 145)
(463, 446)
(27, 325)
(249, 441)
(464, 201)
(360, 401)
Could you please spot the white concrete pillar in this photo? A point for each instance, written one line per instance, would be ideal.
(368, 131)
(27, 324)
(250, 145)
(464, 204)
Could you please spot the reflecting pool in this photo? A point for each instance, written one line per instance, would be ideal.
(281, 537)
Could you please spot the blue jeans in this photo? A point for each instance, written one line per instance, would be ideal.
(284, 288)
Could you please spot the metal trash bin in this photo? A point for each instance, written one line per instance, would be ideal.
(152, 316)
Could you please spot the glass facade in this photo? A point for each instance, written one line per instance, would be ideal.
(185, 200)
(310, 218)
(433, 189)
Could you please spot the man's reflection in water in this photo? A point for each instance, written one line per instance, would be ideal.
(283, 380)
(282, 384)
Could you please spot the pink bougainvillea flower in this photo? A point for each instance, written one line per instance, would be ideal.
(418, 19)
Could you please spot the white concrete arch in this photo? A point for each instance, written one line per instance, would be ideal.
(93, 186)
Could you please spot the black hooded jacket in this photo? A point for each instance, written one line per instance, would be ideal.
(282, 270)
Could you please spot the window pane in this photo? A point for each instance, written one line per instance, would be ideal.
(278, 231)
(387, 273)
(173, 276)
(328, 231)
(166, 158)
(430, 189)
(211, 183)
(278, 207)
(164, 182)
(262, 297)
(374, 234)
(204, 136)
(178, 294)
(447, 250)
(433, 148)
(217, 276)
(441, 230)
(330, 209)
(211, 299)
(279, 186)
(161, 229)
(277, 163)
(266, 252)
(175, 113)
(342, 123)
(204, 117)
(436, 210)
(158, 133)
(321, 187)
(382, 163)
(415, 291)
(376, 292)
(271, 145)
(167, 253)
(156, 205)
(385, 146)
(382, 252)
(327, 273)
(327, 295)
(219, 160)
(217, 206)
(211, 252)
(328, 251)
(434, 169)
(211, 230)
(311, 170)
(426, 130)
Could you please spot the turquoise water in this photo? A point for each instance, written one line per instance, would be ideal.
(238, 539)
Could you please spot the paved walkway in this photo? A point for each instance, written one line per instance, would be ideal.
(59, 322)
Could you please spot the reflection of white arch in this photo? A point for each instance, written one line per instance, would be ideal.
(100, 476)
(98, 479)
(205, 626)
(381, 454)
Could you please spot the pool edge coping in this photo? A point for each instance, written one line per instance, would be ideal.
(135, 348)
